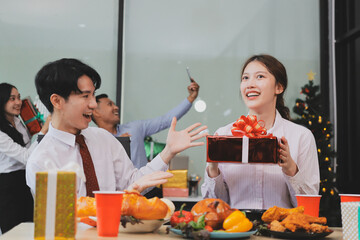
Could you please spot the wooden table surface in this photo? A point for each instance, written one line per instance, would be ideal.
(25, 231)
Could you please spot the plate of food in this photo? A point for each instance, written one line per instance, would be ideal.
(293, 224)
(221, 234)
(211, 218)
(296, 235)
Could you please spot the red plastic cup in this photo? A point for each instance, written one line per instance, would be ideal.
(311, 204)
(108, 212)
(349, 197)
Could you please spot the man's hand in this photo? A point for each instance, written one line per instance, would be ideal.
(193, 90)
(150, 180)
(178, 141)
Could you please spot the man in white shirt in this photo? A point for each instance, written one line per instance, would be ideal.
(67, 88)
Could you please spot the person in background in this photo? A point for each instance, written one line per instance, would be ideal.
(67, 88)
(261, 186)
(106, 115)
(16, 202)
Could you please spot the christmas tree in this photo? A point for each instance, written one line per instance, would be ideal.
(312, 116)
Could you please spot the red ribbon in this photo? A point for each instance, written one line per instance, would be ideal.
(249, 126)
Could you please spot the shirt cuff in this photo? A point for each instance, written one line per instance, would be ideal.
(295, 181)
(187, 102)
(213, 181)
(158, 164)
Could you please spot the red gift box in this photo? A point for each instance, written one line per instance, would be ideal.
(30, 116)
(230, 149)
(249, 144)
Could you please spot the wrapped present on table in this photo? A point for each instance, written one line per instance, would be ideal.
(31, 116)
(55, 205)
(179, 180)
(249, 144)
(350, 215)
(176, 186)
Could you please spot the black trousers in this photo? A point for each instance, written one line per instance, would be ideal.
(16, 201)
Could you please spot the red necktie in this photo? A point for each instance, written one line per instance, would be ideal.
(88, 165)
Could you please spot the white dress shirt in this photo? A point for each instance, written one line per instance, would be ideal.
(261, 186)
(114, 169)
(13, 156)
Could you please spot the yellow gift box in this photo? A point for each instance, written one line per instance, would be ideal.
(55, 205)
(179, 180)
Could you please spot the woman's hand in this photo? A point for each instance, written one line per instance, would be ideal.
(287, 164)
(45, 127)
(178, 141)
(150, 180)
(213, 170)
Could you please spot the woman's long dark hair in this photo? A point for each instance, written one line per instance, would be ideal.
(5, 125)
(277, 69)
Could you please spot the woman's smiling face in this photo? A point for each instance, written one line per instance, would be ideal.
(13, 105)
(259, 88)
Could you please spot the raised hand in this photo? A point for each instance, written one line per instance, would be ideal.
(178, 141)
(193, 90)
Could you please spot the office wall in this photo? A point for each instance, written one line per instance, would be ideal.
(162, 38)
(35, 32)
(213, 38)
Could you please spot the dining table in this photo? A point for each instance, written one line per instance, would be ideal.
(25, 231)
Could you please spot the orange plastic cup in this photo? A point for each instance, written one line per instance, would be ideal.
(311, 204)
(108, 212)
(349, 197)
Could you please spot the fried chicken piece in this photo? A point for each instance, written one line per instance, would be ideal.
(276, 226)
(317, 228)
(297, 221)
(278, 213)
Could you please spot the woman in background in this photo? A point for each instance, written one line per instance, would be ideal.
(261, 186)
(16, 202)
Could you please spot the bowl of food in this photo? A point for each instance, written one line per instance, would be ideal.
(138, 214)
(140, 226)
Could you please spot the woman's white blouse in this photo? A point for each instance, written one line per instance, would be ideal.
(260, 186)
(13, 156)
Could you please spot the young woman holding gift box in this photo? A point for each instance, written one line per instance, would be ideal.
(260, 186)
(16, 202)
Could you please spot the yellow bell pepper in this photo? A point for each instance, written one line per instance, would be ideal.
(237, 222)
